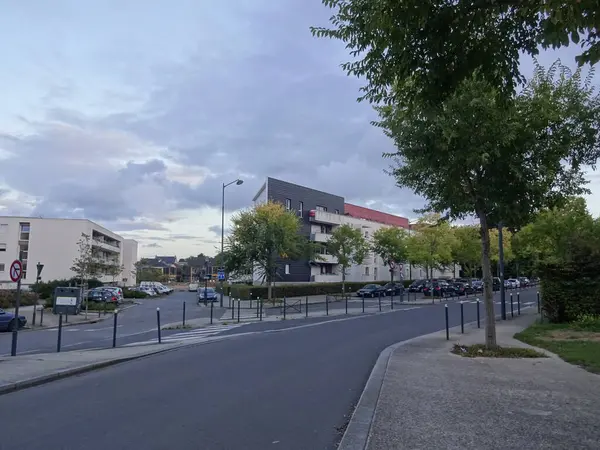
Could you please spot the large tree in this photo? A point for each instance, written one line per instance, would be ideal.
(466, 250)
(391, 243)
(349, 246)
(501, 160)
(262, 236)
(430, 244)
(427, 48)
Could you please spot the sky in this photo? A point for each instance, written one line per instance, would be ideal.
(133, 113)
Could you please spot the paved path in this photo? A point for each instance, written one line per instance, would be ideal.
(292, 388)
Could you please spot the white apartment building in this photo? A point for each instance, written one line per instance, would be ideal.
(53, 243)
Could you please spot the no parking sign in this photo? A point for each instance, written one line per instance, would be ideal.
(16, 270)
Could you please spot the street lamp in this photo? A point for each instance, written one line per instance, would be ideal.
(501, 267)
(237, 183)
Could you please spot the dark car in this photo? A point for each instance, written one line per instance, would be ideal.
(417, 286)
(496, 284)
(7, 321)
(102, 295)
(438, 289)
(370, 290)
(463, 288)
(393, 289)
(208, 294)
(477, 285)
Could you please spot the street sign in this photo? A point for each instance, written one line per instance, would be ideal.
(392, 265)
(16, 270)
(221, 275)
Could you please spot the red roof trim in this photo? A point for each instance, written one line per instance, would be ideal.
(361, 212)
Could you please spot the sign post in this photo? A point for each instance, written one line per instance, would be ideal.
(16, 272)
(38, 278)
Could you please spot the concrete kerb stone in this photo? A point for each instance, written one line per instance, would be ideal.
(356, 436)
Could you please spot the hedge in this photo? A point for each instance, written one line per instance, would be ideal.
(46, 290)
(128, 293)
(246, 292)
(8, 297)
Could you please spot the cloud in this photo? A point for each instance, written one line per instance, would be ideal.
(153, 245)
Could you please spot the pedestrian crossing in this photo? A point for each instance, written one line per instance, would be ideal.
(196, 335)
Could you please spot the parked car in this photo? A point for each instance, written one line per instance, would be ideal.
(193, 287)
(98, 295)
(116, 291)
(477, 285)
(148, 291)
(463, 289)
(392, 289)
(524, 281)
(7, 320)
(369, 290)
(438, 289)
(513, 283)
(417, 286)
(207, 294)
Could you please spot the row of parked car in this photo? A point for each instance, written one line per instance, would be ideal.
(464, 286)
(108, 294)
(153, 288)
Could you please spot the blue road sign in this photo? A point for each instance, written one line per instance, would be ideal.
(221, 274)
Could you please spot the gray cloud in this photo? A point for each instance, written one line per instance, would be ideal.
(153, 245)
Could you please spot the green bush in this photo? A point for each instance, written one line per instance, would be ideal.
(246, 292)
(99, 306)
(46, 290)
(8, 298)
(128, 293)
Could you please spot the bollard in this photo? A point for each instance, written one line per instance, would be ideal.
(538, 302)
(478, 319)
(183, 324)
(99, 311)
(116, 313)
(239, 302)
(260, 309)
(392, 301)
(284, 305)
(232, 308)
(257, 306)
(518, 303)
(447, 323)
(59, 339)
(212, 313)
(326, 305)
(380, 302)
(33, 318)
(306, 307)
(41, 316)
(462, 317)
(346, 300)
(158, 324)
(363, 302)
(250, 302)
(512, 312)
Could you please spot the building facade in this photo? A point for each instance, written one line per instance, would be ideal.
(320, 213)
(54, 243)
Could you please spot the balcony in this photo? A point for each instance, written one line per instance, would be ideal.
(325, 259)
(324, 217)
(106, 245)
(326, 278)
(320, 237)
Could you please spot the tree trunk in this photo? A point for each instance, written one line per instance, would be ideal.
(490, 315)
(343, 281)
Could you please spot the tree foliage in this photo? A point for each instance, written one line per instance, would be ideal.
(424, 49)
(85, 265)
(144, 272)
(349, 246)
(466, 250)
(431, 243)
(262, 236)
(391, 244)
(114, 270)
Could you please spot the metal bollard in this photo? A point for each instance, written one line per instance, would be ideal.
(250, 302)
(363, 302)
(326, 305)
(59, 338)
(41, 316)
(183, 321)
(306, 307)
(518, 303)
(232, 308)
(158, 324)
(257, 306)
(512, 312)
(380, 302)
(478, 317)
(212, 312)
(538, 302)
(260, 309)
(116, 314)
(284, 307)
(239, 303)
(447, 323)
(346, 300)
(392, 301)
(462, 317)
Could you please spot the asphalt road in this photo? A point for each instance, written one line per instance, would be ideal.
(136, 324)
(294, 389)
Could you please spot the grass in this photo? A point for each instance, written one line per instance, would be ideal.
(480, 351)
(577, 343)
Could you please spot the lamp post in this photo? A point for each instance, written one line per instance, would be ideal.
(501, 267)
(237, 183)
(38, 278)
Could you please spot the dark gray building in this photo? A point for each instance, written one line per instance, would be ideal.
(318, 211)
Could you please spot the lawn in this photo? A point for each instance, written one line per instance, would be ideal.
(577, 343)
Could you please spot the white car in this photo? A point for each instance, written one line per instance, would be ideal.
(149, 291)
(193, 287)
(513, 283)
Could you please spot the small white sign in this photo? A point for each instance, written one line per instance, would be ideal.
(66, 301)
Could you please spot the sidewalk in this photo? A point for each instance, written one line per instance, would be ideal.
(420, 396)
(20, 372)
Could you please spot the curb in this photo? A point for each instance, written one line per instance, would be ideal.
(20, 385)
(356, 436)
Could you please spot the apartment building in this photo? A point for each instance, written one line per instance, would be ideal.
(320, 213)
(53, 242)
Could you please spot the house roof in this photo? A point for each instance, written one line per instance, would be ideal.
(167, 259)
(361, 212)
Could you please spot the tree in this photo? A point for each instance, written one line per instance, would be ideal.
(391, 244)
(85, 265)
(506, 245)
(144, 272)
(349, 246)
(114, 270)
(431, 244)
(499, 160)
(466, 250)
(423, 50)
(262, 236)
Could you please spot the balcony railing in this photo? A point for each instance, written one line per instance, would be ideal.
(326, 259)
(320, 237)
(326, 278)
(324, 217)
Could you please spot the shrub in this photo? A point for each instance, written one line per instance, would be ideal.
(46, 290)
(99, 306)
(246, 292)
(8, 298)
(128, 293)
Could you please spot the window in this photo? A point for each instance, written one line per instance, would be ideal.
(1, 267)
(288, 204)
(2, 247)
(321, 208)
(24, 232)
(366, 271)
(287, 269)
(337, 211)
(301, 207)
